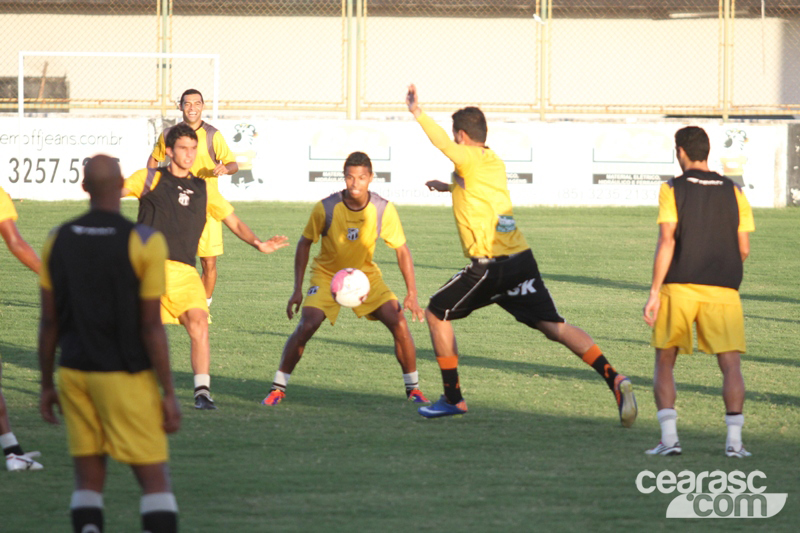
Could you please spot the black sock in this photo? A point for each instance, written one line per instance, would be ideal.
(604, 368)
(452, 387)
(85, 516)
(16, 450)
(160, 522)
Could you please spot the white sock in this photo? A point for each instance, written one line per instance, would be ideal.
(202, 380)
(411, 380)
(158, 501)
(735, 423)
(668, 418)
(208, 301)
(86, 498)
(281, 380)
(7, 440)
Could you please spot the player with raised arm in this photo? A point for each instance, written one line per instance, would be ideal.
(502, 269)
(214, 159)
(704, 224)
(16, 459)
(348, 224)
(101, 283)
(175, 202)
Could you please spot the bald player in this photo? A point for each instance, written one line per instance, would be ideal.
(102, 279)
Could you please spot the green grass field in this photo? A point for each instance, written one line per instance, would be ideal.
(541, 448)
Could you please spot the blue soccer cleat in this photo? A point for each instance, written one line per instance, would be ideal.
(443, 408)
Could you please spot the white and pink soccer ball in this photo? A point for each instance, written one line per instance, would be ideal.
(350, 287)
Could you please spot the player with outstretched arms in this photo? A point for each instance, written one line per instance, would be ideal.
(502, 269)
(16, 459)
(214, 159)
(348, 224)
(175, 202)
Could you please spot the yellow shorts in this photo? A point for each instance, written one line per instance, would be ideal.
(113, 413)
(717, 311)
(184, 291)
(210, 244)
(319, 295)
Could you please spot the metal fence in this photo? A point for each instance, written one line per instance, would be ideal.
(355, 57)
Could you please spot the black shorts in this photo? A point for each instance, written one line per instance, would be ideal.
(512, 282)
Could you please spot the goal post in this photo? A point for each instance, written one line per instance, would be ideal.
(93, 74)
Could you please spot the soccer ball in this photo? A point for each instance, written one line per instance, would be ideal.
(350, 287)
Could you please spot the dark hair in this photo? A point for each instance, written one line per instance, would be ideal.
(176, 132)
(187, 92)
(694, 142)
(358, 159)
(472, 121)
(100, 173)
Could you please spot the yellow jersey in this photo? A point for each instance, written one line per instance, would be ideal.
(348, 237)
(208, 153)
(7, 210)
(481, 200)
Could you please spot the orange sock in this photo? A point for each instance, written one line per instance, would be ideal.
(448, 362)
(594, 358)
(592, 354)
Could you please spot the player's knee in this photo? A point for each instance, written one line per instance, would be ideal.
(196, 322)
(209, 264)
(305, 330)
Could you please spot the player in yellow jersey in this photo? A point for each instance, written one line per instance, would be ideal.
(175, 202)
(16, 459)
(214, 159)
(348, 224)
(502, 268)
(101, 281)
(704, 224)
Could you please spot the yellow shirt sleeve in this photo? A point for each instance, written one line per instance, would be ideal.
(218, 207)
(7, 210)
(44, 271)
(135, 183)
(316, 223)
(457, 153)
(667, 209)
(160, 149)
(148, 259)
(746, 222)
(391, 228)
(224, 153)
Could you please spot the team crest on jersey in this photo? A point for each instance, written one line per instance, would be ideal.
(184, 196)
(313, 290)
(352, 234)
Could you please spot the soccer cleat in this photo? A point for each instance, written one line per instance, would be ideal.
(202, 400)
(416, 396)
(663, 449)
(443, 408)
(740, 453)
(274, 397)
(626, 401)
(16, 463)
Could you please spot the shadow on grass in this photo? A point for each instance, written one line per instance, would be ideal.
(527, 368)
(30, 304)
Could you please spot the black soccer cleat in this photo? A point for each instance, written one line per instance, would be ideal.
(202, 400)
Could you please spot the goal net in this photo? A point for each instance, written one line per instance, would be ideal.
(113, 82)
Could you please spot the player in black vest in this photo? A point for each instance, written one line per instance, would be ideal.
(175, 202)
(102, 279)
(704, 225)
